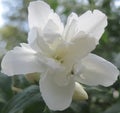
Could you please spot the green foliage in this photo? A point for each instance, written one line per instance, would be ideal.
(28, 98)
(5, 90)
(115, 108)
(13, 36)
(17, 95)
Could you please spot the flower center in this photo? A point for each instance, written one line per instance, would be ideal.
(59, 59)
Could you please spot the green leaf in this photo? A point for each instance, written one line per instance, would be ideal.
(23, 100)
(20, 82)
(5, 87)
(115, 108)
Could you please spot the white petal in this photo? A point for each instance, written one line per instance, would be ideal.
(32, 35)
(70, 28)
(80, 46)
(36, 41)
(93, 23)
(21, 60)
(38, 14)
(53, 28)
(56, 97)
(97, 71)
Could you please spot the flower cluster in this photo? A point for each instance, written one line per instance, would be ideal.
(61, 54)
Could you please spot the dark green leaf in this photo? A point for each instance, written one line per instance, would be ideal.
(115, 108)
(23, 100)
(5, 87)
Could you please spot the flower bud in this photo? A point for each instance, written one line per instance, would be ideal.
(79, 92)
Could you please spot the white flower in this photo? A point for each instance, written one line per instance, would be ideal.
(61, 54)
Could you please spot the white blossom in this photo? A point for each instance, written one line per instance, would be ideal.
(61, 54)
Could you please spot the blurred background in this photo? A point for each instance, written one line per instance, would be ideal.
(20, 95)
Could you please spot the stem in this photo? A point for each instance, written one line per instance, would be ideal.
(92, 4)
